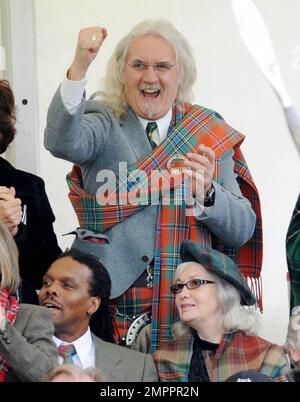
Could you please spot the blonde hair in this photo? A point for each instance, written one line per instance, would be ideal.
(9, 266)
(293, 333)
(235, 316)
(74, 373)
(113, 93)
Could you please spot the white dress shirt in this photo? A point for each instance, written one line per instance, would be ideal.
(85, 350)
(163, 124)
(72, 93)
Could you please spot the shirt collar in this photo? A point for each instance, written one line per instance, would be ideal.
(83, 345)
(162, 124)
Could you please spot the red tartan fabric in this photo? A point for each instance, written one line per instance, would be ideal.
(236, 352)
(9, 305)
(133, 303)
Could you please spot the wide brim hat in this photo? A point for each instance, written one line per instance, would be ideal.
(221, 265)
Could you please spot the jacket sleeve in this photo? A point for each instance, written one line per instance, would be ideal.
(31, 351)
(77, 137)
(231, 219)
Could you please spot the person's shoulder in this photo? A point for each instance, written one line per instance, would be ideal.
(262, 343)
(25, 179)
(122, 351)
(30, 176)
(30, 315)
(5, 165)
(208, 111)
(32, 307)
(97, 106)
(182, 344)
(18, 178)
(34, 311)
(103, 110)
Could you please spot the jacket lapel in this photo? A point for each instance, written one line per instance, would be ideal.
(135, 133)
(106, 361)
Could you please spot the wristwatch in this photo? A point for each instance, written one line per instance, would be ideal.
(209, 199)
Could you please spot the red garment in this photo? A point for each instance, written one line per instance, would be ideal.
(9, 305)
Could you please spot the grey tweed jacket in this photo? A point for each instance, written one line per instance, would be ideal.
(95, 139)
(31, 352)
(119, 364)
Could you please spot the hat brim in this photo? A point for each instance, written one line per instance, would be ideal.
(219, 264)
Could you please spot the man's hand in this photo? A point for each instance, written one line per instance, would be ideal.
(10, 209)
(88, 46)
(202, 167)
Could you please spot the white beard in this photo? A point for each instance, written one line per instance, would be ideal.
(149, 110)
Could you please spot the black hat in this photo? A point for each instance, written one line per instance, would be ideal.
(219, 264)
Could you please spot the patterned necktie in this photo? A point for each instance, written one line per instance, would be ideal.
(67, 352)
(151, 127)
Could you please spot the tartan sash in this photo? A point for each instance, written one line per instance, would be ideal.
(189, 128)
(9, 304)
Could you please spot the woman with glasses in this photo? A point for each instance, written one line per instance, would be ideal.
(214, 337)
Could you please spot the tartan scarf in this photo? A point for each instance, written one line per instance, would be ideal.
(236, 352)
(293, 256)
(10, 305)
(189, 128)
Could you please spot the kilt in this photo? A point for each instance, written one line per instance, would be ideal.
(127, 307)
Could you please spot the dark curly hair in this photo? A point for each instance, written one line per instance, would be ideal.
(7, 115)
(101, 322)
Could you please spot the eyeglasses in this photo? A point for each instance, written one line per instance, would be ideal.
(191, 284)
(161, 67)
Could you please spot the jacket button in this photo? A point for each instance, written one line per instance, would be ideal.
(145, 258)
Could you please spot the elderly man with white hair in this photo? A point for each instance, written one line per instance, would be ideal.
(138, 148)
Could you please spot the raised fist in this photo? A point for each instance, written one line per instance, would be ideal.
(10, 209)
(88, 45)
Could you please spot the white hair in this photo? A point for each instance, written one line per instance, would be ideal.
(113, 94)
(235, 316)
